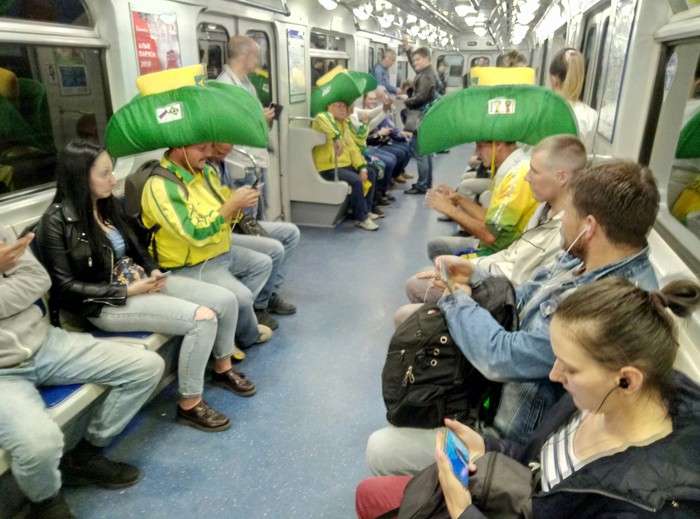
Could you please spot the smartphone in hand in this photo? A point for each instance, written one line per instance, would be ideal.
(162, 275)
(458, 454)
(446, 278)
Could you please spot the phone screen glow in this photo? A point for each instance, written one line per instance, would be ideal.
(458, 454)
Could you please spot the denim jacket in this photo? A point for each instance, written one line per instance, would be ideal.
(523, 359)
(381, 74)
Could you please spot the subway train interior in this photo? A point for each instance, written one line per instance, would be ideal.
(297, 448)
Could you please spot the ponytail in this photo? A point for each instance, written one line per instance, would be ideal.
(567, 66)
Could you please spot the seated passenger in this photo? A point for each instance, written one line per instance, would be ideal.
(554, 162)
(497, 226)
(609, 212)
(194, 234)
(386, 137)
(340, 150)
(284, 238)
(33, 353)
(629, 424)
(89, 251)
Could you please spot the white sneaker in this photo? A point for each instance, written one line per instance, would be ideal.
(367, 225)
(372, 216)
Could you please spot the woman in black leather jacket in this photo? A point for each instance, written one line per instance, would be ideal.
(90, 253)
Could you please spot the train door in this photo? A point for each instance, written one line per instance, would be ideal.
(450, 67)
(213, 34)
(595, 46)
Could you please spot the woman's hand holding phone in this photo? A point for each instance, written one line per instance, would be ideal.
(457, 496)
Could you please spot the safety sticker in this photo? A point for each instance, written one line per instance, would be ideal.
(501, 106)
(169, 113)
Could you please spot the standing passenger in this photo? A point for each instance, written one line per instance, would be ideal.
(567, 75)
(88, 248)
(424, 88)
(381, 71)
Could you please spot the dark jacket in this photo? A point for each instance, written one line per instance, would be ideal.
(424, 86)
(659, 480)
(78, 285)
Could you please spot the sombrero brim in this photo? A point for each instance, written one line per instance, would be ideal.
(512, 113)
(217, 112)
(689, 140)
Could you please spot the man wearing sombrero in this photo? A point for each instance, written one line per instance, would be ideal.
(337, 90)
(191, 218)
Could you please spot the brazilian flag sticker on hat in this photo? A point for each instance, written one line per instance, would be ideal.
(177, 108)
(340, 85)
(508, 113)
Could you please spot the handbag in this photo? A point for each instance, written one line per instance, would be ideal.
(251, 227)
(126, 272)
(501, 489)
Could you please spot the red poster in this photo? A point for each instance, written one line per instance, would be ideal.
(157, 44)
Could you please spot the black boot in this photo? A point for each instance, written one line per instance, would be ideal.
(52, 508)
(85, 465)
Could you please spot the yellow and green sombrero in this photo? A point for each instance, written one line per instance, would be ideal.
(340, 84)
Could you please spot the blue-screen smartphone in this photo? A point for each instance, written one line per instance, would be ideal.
(458, 454)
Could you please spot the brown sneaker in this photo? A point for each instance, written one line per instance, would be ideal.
(234, 381)
(204, 418)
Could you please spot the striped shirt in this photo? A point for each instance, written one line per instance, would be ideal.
(557, 455)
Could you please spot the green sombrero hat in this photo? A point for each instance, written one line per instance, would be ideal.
(177, 108)
(689, 140)
(340, 84)
(508, 113)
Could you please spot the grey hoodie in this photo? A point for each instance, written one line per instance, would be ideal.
(22, 330)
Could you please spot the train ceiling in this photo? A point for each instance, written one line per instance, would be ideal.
(441, 22)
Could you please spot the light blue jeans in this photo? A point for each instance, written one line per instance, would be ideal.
(172, 311)
(284, 238)
(243, 272)
(27, 432)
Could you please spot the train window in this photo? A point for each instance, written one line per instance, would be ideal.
(480, 61)
(370, 59)
(48, 96)
(684, 184)
(262, 76)
(615, 59)
(602, 57)
(544, 69)
(212, 40)
(453, 72)
(588, 56)
(323, 41)
(66, 12)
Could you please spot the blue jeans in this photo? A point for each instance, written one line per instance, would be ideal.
(284, 238)
(27, 432)
(243, 272)
(389, 161)
(360, 204)
(425, 168)
(172, 311)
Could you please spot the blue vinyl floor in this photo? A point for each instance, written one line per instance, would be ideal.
(296, 448)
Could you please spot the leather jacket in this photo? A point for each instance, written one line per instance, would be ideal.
(78, 285)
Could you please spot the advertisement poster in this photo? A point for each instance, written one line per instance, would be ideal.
(72, 71)
(297, 66)
(157, 43)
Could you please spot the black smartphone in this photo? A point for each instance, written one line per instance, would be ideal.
(278, 110)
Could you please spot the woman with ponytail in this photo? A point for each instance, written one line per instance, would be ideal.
(623, 442)
(567, 75)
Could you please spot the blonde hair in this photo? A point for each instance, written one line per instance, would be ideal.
(567, 66)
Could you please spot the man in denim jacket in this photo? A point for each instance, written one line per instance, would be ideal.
(610, 210)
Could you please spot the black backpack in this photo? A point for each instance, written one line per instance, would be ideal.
(426, 378)
(133, 190)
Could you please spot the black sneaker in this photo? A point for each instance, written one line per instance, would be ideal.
(85, 465)
(51, 508)
(280, 307)
(265, 318)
